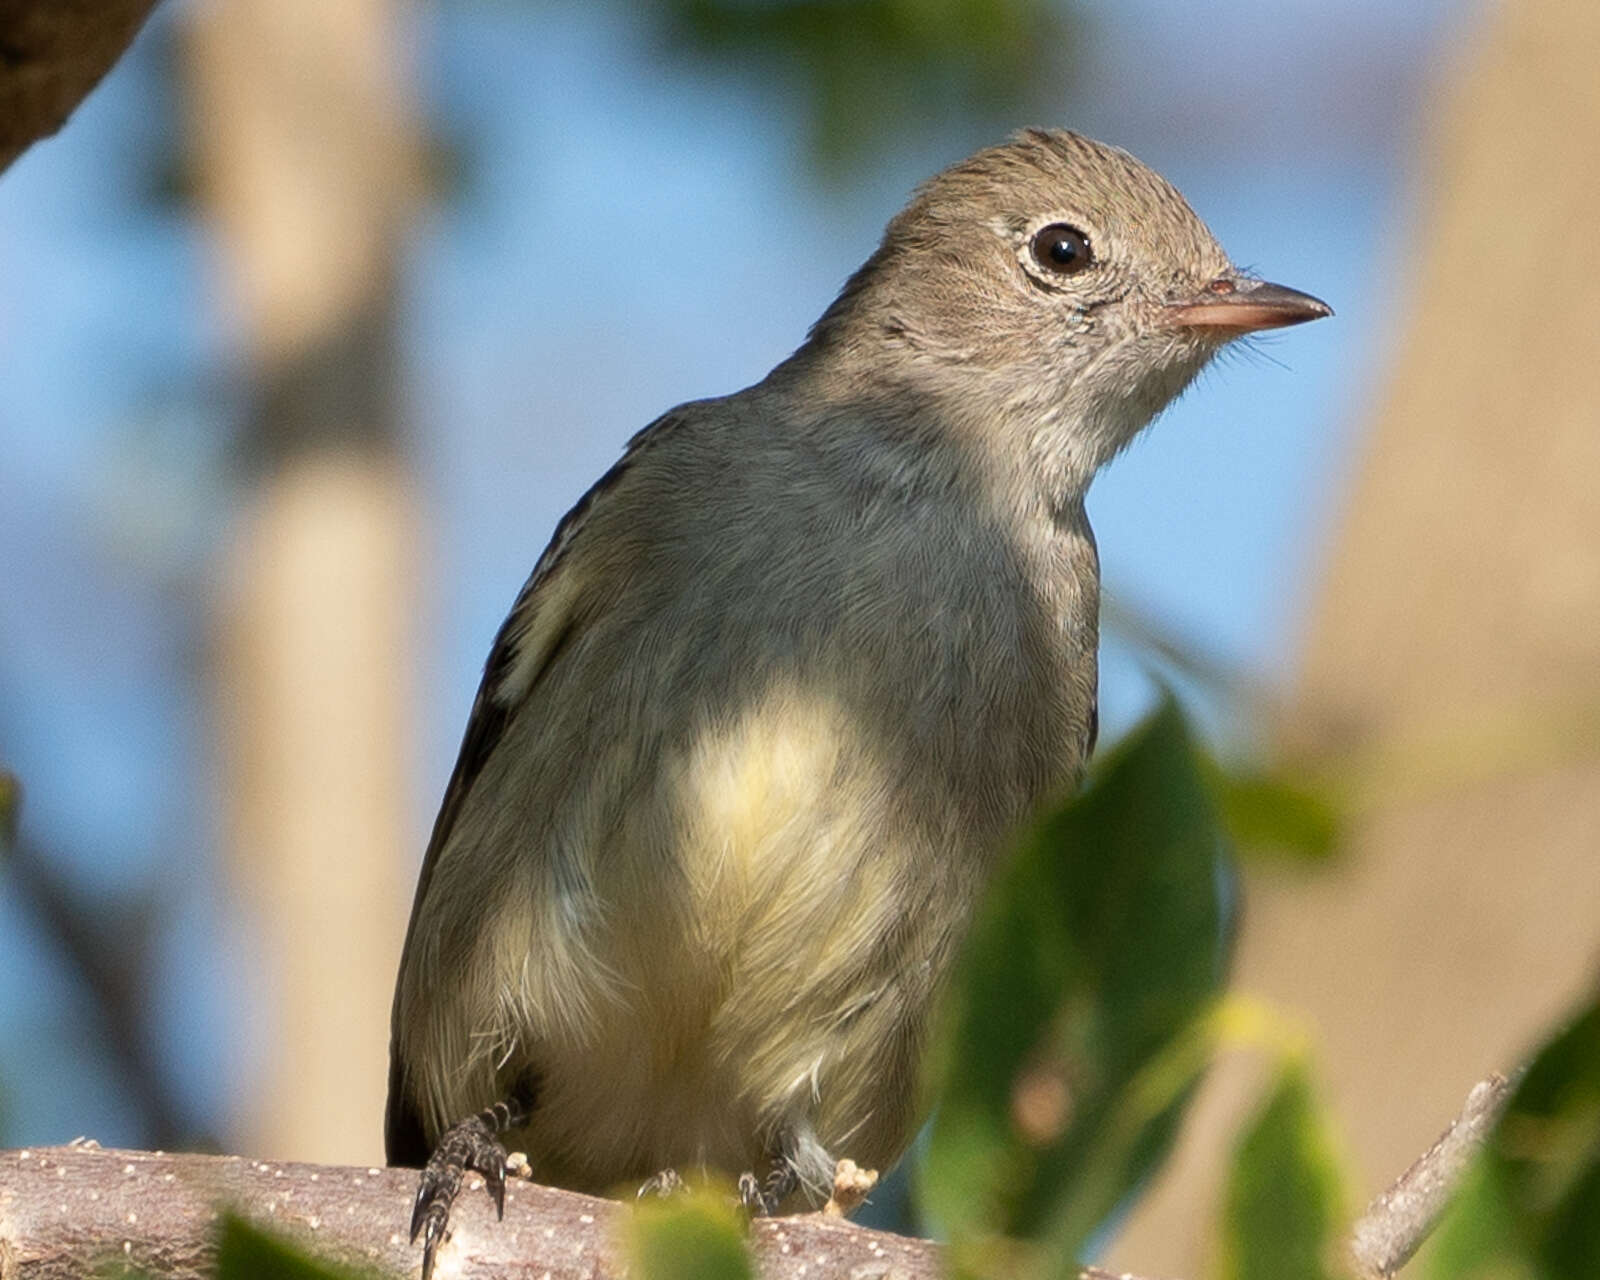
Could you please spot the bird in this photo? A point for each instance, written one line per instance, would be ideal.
(784, 685)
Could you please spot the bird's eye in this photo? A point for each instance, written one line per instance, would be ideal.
(1061, 249)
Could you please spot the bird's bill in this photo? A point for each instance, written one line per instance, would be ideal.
(1236, 306)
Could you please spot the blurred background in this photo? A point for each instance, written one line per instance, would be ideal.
(318, 315)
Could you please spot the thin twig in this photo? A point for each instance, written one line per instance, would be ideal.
(1397, 1222)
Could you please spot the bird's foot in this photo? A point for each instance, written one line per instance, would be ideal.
(472, 1144)
(661, 1185)
(761, 1197)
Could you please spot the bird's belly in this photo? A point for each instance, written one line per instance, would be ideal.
(756, 941)
(778, 979)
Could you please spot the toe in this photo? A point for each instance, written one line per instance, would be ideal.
(419, 1207)
(663, 1184)
(753, 1197)
(495, 1180)
(430, 1243)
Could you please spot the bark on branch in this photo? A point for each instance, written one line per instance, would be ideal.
(66, 1210)
(1397, 1222)
(52, 52)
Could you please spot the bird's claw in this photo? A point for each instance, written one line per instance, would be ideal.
(469, 1145)
(752, 1197)
(762, 1198)
(663, 1184)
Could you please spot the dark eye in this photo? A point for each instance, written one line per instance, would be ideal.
(1061, 249)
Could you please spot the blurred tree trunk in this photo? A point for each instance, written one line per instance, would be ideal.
(306, 160)
(1453, 647)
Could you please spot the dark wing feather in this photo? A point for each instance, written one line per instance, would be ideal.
(405, 1140)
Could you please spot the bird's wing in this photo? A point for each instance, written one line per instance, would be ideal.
(527, 643)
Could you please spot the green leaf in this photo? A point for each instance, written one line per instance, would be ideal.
(1075, 1030)
(696, 1236)
(1272, 812)
(1548, 1147)
(1532, 1205)
(1283, 1213)
(245, 1252)
(1477, 1239)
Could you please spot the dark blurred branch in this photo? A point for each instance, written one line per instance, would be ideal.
(52, 53)
(10, 807)
(107, 957)
(1226, 680)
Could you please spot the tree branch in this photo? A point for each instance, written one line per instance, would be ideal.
(52, 53)
(65, 1210)
(1397, 1222)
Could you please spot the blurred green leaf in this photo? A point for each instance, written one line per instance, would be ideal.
(695, 1236)
(245, 1252)
(1075, 1031)
(1283, 1212)
(1271, 811)
(10, 809)
(1548, 1148)
(1532, 1206)
(874, 67)
(1477, 1239)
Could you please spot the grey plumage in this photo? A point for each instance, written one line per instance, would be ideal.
(785, 682)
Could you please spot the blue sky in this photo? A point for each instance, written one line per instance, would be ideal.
(633, 233)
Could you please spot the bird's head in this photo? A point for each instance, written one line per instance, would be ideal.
(1055, 286)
